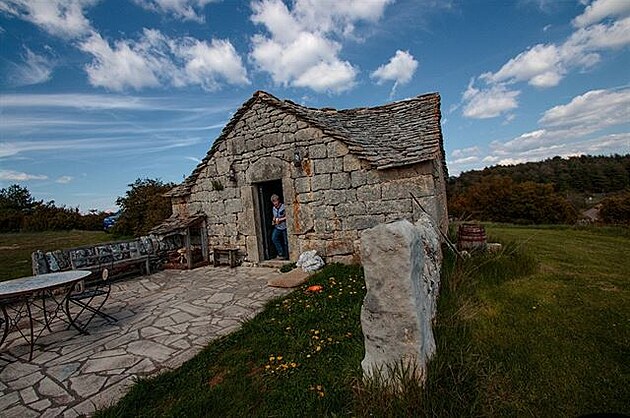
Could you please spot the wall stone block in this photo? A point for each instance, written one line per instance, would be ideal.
(336, 149)
(321, 182)
(341, 181)
(302, 184)
(387, 207)
(362, 222)
(233, 206)
(343, 210)
(358, 178)
(317, 151)
(351, 163)
(369, 193)
(338, 247)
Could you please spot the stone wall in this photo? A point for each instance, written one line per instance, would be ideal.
(330, 198)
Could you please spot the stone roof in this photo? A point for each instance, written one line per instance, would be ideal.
(176, 223)
(393, 135)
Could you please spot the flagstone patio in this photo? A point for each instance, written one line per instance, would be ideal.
(163, 320)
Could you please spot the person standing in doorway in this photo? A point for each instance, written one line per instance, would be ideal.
(279, 234)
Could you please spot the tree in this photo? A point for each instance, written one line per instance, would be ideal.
(16, 197)
(616, 209)
(143, 207)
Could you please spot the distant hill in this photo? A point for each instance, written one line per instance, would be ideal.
(585, 174)
(550, 191)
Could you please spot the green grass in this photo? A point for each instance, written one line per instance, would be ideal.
(16, 248)
(540, 329)
(298, 357)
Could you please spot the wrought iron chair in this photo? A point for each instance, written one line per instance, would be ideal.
(90, 301)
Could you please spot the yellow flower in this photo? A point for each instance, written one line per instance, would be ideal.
(272, 358)
(279, 358)
(318, 348)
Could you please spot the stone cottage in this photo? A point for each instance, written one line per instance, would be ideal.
(338, 172)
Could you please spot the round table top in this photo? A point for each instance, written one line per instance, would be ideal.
(31, 284)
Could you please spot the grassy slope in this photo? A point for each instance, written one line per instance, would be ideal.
(16, 249)
(559, 339)
(513, 338)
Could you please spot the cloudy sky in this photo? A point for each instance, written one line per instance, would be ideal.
(97, 93)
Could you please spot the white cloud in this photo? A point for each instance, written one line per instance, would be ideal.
(488, 103)
(400, 69)
(62, 18)
(597, 37)
(591, 111)
(119, 67)
(64, 179)
(567, 130)
(300, 48)
(539, 65)
(156, 59)
(465, 152)
(601, 9)
(180, 9)
(545, 65)
(208, 63)
(335, 76)
(36, 69)
(80, 101)
(10, 175)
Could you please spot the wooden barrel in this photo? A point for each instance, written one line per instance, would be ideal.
(471, 237)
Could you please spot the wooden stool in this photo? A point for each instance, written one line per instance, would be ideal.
(222, 252)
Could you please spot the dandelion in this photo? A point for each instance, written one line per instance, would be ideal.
(279, 358)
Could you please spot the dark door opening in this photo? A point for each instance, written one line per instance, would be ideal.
(265, 190)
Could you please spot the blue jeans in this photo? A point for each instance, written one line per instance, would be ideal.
(279, 238)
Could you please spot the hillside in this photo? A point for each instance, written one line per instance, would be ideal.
(550, 191)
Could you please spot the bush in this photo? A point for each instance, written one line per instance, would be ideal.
(616, 209)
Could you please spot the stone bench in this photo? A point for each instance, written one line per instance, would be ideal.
(119, 257)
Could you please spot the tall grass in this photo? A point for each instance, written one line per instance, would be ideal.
(458, 372)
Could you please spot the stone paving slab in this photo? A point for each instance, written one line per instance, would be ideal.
(163, 320)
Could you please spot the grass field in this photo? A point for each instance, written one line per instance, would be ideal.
(16, 248)
(542, 329)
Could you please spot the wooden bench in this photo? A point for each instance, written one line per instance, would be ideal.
(229, 255)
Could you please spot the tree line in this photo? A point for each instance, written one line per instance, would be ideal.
(142, 207)
(547, 192)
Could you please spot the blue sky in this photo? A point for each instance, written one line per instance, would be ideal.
(97, 93)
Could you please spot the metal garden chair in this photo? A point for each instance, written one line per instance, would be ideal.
(90, 301)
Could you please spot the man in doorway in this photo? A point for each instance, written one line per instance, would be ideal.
(279, 234)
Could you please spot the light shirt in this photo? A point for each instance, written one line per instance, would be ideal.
(280, 212)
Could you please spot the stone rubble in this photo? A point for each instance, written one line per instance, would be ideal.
(163, 321)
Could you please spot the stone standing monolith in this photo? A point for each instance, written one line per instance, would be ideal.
(399, 306)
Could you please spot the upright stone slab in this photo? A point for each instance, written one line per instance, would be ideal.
(397, 310)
